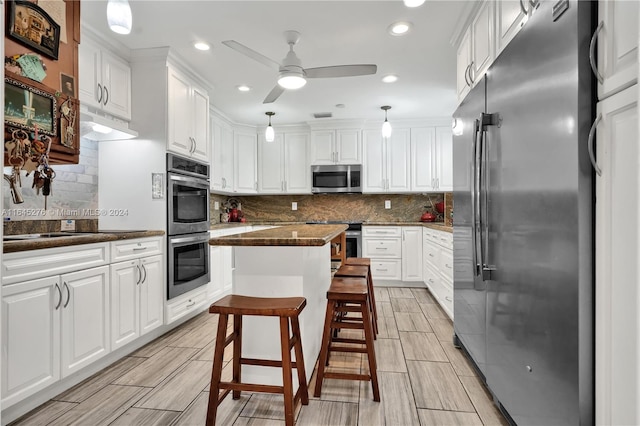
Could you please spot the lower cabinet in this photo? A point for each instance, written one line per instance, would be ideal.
(395, 252)
(411, 253)
(221, 271)
(51, 328)
(437, 266)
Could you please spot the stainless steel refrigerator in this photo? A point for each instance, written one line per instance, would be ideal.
(523, 221)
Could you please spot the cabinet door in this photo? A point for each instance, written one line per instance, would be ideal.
(374, 165)
(30, 337)
(85, 318)
(463, 62)
(423, 159)
(215, 182)
(270, 165)
(246, 161)
(509, 20)
(228, 159)
(323, 147)
(348, 146)
(180, 114)
(617, 253)
(617, 46)
(227, 270)
(151, 293)
(116, 79)
(90, 71)
(399, 161)
(444, 159)
(215, 287)
(200, 129)
(297, 171)
(412, 253)
(125, 324)
(482, 41)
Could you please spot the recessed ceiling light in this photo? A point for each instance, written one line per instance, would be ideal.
(243, 88)
(339, 105)
(400, 28)
(391, 78)
(413, 3)
(201, 46)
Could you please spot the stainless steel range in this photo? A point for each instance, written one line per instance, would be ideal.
(353, 233)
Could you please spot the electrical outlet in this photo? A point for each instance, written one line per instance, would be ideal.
(68, 225)
(216, 205)
(387, 204)
(294, 205)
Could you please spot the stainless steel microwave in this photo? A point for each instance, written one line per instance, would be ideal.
(336, 178)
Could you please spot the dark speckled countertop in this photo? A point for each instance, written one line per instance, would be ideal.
(72, 240)
(439, 226)
(287, 235)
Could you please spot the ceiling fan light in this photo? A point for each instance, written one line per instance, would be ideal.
(291, 80)
(119, 16)
(413, 3)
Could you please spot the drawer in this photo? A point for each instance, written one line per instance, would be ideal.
(386, 269)
(441, 290)
(29, 265)
(381, 231)
(194, 301)
(431, 254)
(382, 247)
(446, 263)
(444, 239)
(136, 248)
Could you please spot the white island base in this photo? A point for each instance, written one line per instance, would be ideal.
(282, 271)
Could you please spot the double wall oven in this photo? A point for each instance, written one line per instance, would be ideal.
(187, 224)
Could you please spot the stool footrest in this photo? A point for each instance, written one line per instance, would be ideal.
(253, 387)
(348, 340)
(350, 308)
(264, 362)
(347, 376)
(347, 349)
(347, 324)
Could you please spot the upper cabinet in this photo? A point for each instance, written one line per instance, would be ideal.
(476, 50)
(510, 18)
(431, 159)
(283, 165)
(386, 166)
(105, 80)
(221, 156)
(331, 146)
(617, 40)
(246, 161)
(188, 123)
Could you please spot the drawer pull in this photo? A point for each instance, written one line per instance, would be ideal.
(447, 265)
(190, 305)
(382, 248)
(139, 248)
(381, 270)
(430, 254)
(447, 298)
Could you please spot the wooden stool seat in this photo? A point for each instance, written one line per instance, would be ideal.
(288, 309)
(359, 261)
(360, 269)
(347, 294)
(261, 306)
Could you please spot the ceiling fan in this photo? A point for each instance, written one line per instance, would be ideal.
(291, 74)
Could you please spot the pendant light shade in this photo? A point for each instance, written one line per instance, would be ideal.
(270, 134)
(386, 126)
(413, 3)
(119, 16)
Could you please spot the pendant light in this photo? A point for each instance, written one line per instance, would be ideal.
(270, 134)
(119, 16)
(386, 126)
(413, 3)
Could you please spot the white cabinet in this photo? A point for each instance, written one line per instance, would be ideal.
(283, 166)
(437, 265)
(617, 249)
(617, 46)
(431, 159)
(105, 80)
(511, 15)
(411, 253)
(387, 162)
(221, 156)
(188, 121)
(383, 245)
(476, 50)
(341, 146)
(245, 162)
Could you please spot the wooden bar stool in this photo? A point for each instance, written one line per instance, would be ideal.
(362, 271)
(343, 294)
(288, 309)
(365, 261)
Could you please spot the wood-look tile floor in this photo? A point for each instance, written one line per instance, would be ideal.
(423, 380)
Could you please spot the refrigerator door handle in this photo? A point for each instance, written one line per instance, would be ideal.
(592, 53)
(483, 204)
(475, 200)
(592, 136)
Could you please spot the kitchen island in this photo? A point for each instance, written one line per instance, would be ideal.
(287, 261)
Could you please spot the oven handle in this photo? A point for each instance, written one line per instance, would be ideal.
(192, 239)
(198, 183)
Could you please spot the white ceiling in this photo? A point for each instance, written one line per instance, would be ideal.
(333, 33)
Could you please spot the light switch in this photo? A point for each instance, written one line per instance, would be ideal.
(387, 204)
(216, 205)
(294, 205)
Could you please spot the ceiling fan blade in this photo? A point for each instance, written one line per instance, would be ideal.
(238, 47)
(273, 94)
(341, 71)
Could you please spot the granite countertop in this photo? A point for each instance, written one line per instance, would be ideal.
(438, 226)
(36, 243)
(287, 235)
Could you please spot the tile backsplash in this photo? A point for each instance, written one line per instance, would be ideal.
(354, 207)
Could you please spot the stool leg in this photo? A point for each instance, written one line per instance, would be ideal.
(371, 352)
(237, 352)
(286, 371)
(302, 374)
(218, 354)
(372, 302)
(326, 336)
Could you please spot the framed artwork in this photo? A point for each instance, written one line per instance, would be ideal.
(30, 25)
(67, 85)
(28, 107)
